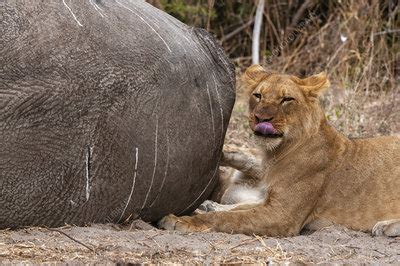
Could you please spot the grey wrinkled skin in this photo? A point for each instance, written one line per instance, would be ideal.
(108, 110)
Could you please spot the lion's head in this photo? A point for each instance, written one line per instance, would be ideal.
(283, 108)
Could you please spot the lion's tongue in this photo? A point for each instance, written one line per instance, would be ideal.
(265, 128)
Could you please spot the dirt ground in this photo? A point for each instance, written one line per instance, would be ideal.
(141, 243)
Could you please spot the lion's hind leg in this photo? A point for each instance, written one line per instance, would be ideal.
(387, 228)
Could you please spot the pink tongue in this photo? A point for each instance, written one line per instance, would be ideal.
(265, 128)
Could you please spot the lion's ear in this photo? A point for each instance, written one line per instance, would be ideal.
(315, 85)
(253, 76)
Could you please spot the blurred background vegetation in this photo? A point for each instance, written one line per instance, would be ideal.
(355, 41)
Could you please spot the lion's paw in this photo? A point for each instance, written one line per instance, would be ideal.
(212, 206)
(387, 228)
(182, 224)
(209, 206)
(229, 148)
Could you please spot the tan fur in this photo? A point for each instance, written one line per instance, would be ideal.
(315, 175)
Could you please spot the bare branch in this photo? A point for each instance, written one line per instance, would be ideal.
(236, 31)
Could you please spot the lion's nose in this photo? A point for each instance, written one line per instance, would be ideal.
(260, 119)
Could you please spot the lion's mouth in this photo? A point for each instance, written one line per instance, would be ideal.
(266, 129)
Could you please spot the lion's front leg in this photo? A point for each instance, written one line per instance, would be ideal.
(184, 223)
(283, 214)
(258, 220)
(228, 222)
(243, 161)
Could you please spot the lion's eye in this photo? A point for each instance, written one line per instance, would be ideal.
(257, 95)
(287, 99)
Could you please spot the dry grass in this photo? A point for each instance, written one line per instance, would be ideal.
(361, 56)
(357, 42)
(114, 244)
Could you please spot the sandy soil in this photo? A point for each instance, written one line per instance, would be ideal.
(140, 242)
(117, 244)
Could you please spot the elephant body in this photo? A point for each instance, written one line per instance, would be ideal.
(109, 110)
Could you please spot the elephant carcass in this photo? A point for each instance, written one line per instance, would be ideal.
(108, 110)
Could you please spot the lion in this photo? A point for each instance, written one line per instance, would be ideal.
(315, 176)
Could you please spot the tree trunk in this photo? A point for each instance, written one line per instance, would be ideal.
(256, 32)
